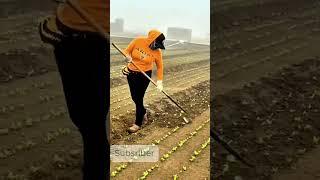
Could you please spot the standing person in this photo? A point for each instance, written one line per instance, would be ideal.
(82, 57)
(143, 51)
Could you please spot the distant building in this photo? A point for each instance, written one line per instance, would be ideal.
(117, 26)
(179, 33)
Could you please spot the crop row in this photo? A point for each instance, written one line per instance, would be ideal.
(31, 121)
(231, 44)
(255, 49)
(22, 146)
(119, 90)
(49, 98)
(20, 106)
(16, 92)
(28, 144)
(165, 136)
(193, 157)
(180, 83)
(52, 136)
(123, 166)
(312, 21)
(156, 142)
(115, 70)
(196, 80)
(174, 149)
(169, 80)
(261, 26)
(265, 59)
(11, 108)
(252, 29)
(25, 90)
(257, 36)
(155, 93)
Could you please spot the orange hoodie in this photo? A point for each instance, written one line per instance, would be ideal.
(99, 10)
(143, 56)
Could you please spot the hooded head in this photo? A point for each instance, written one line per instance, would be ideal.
(156, 39)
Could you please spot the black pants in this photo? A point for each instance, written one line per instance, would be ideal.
(138, 84)
(84, 67)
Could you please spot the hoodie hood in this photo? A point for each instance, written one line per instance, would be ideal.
(152, 35)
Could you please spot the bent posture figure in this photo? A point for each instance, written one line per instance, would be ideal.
(143, 51)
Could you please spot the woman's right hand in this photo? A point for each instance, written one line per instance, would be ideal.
(128, 59)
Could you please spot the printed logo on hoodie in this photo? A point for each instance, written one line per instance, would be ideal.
(143, 56)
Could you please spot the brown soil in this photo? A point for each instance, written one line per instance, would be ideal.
(199, 168)
(272, 122)
(255, 110)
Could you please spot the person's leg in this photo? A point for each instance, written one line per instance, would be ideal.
(134, 85)
(143, 83)
(132, 81)
(140, 110)
(94, 131)
(84, 70)
(95, 153)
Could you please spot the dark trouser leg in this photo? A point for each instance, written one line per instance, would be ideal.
(84, 69)
(138, 84)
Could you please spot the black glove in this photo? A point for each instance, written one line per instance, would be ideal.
(125, 71)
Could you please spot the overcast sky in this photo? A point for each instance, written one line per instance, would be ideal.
(142, 15)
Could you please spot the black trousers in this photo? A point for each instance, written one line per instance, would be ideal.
(83, 63)
(138, 84)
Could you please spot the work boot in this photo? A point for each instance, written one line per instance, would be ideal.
(134, 128)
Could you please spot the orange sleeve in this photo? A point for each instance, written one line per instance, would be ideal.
(130, 47)
(159, 63)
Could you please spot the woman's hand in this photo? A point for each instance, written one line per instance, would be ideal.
(159, 85)
(128, 59)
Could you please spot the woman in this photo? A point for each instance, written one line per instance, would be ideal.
(143, 52)
(82, 56)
